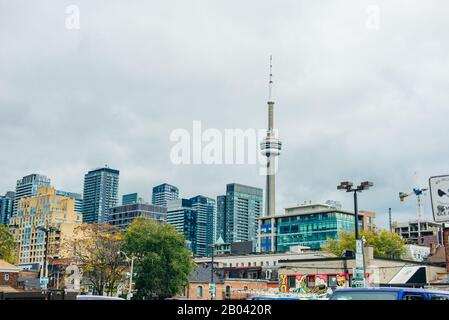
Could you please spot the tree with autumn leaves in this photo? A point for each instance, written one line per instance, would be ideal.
(162, 263)
(6, 245)
(96, 250)
(385, 244)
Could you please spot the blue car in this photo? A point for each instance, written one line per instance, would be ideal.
(389, 293)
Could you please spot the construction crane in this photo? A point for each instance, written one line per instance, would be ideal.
(419, 193)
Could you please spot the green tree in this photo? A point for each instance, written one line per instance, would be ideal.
(163, 263)
(6, 245)
(385, 244)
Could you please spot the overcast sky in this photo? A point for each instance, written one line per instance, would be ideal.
(361, 91)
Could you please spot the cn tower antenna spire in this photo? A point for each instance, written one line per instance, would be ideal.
(270, 84)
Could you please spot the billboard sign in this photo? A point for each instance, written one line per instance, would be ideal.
(439, 195)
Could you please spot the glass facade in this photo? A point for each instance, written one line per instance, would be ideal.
(243, 208)
(6, 207)
(122, 216)
(206, 211)
(100, 194)
(129, 198)
(164, 193)
(183, 217)
(311, 230)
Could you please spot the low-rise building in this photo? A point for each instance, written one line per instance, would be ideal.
(9, 274)
(266, 264)
(309, 224)
(426, 233)
(320, 275)
(122, 216)
(226, 288)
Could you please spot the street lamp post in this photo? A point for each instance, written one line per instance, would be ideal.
(129, 295)
(348, 187)
(359, 273)
(44, 270)
(212, 292)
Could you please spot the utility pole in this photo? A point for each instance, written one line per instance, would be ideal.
(212, 288)
(44, 270)
(359, 270)
(389, 219)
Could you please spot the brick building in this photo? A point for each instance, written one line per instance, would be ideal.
(9, 274)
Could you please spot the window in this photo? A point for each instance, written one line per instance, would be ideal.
(437, 297)
(6, 276)
(228, 292)
(199, 291)
(413, 297)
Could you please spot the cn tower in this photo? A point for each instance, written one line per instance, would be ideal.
(270, 148)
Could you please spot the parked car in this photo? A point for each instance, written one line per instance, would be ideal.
(389, 293)
(94, 297)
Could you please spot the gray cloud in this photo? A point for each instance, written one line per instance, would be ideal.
(351, 102)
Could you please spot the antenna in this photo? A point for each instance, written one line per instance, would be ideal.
(271, 78)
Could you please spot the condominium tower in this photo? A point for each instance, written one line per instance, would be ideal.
(164, 193)
(100, 194)
(238, 212)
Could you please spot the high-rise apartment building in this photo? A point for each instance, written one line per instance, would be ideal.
(243, 206)
(164, 193)
(183, 217)
(45, 210)
(206, 211)
(27, 186)
(100, 194)
(221, 217)
(6, 207)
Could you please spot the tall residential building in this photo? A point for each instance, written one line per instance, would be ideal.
(27, 186)
(131, 198)
(309, 224)
(100, 194)
(164, 193)
(206, 223)
(183, 217)
(78, 198)
(270, 148)
(48, 210)
(6, 207)
(123, 215)
(221, 217)
(243, 207)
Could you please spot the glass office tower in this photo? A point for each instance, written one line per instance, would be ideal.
(100, 194)
(183, 217)
(164, 193)
(243, 206)
(27, 187)
(206, 212)
(6, 207)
